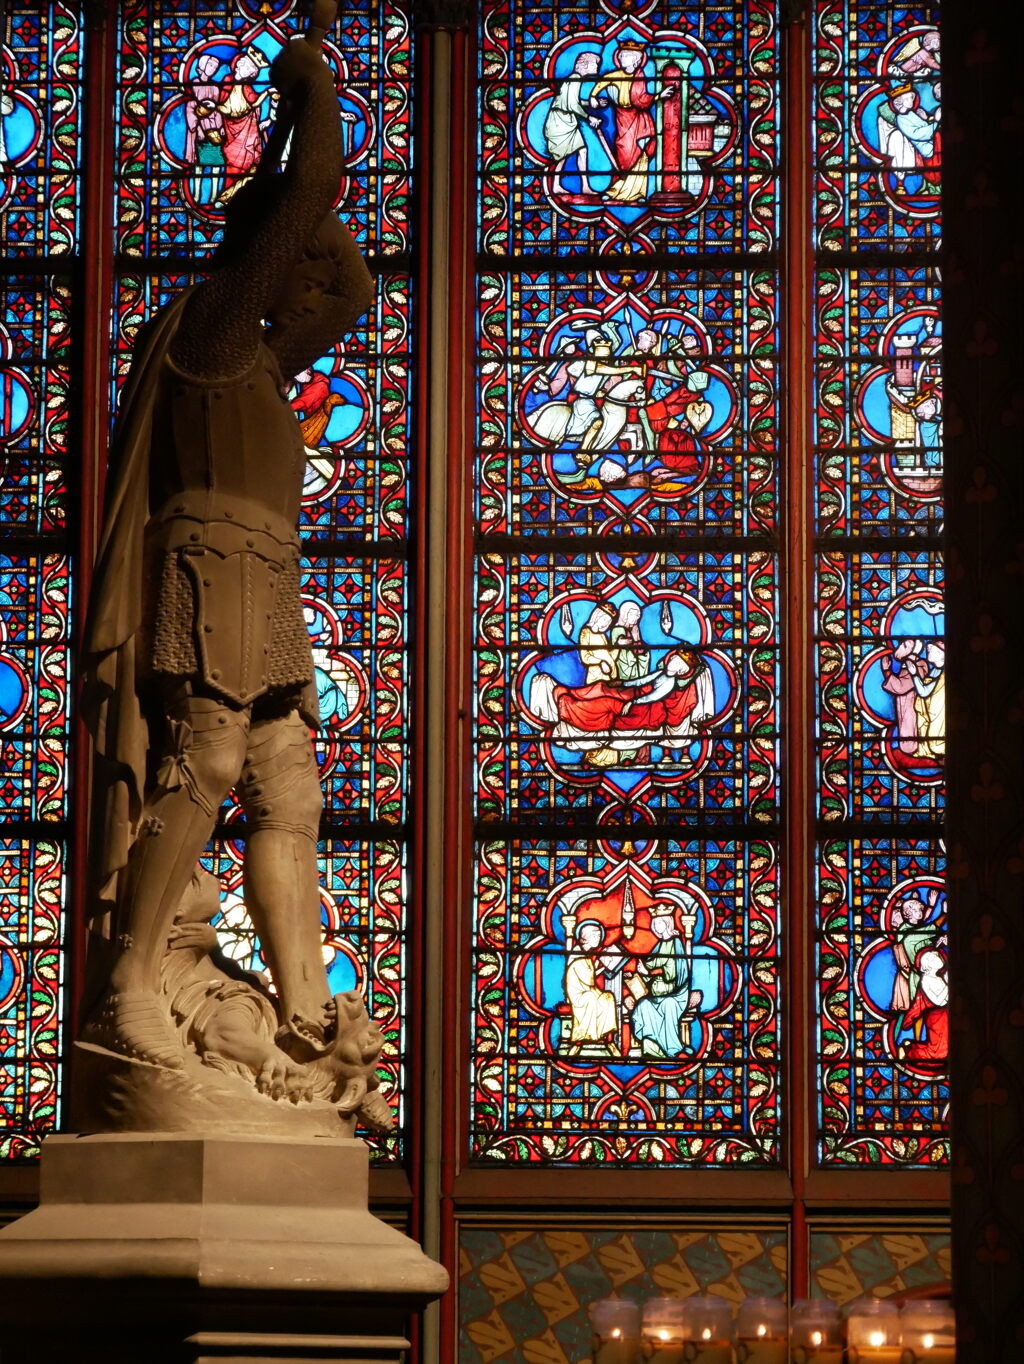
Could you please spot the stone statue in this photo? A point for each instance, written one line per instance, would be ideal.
(211, 1197)
(199, 677)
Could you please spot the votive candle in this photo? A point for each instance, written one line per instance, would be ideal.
(662, 1331)
(929, 1332)
(815, 1332)
(615, 1323)
(761, 1331)
(707, 1330)
(873, 1332)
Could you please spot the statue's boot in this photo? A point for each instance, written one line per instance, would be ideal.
(175, 828)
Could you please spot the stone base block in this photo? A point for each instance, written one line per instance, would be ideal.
(112, 1093)
(183, 1250)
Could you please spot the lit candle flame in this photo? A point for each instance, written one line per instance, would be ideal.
(616, 1333)
(817, 1338)
(706, 1333)
(762, 1331)
(928, 1342)
(876, 1338)
(663, 1334)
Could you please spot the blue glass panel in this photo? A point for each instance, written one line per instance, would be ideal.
(626, 1002)
(34, 702)
(35, 357)
(882, 1002)
(41, 45)
(878, 114)
(673, 717)
(881, 673)
(627, 399)
(878, 425)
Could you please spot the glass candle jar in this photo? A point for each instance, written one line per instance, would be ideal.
(615, 1324)
(707, 1330)
(929, 1332)
(662, 1330)
(873, 1332)
(762, 1329)
(815, 1332)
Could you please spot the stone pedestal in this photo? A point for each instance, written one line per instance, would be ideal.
(189, 1250)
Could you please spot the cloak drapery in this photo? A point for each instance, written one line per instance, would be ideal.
(658, 1014)
(313, 405)
(111, 705)
(593, 1009)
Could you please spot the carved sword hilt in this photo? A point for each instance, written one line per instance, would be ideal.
(322, 16)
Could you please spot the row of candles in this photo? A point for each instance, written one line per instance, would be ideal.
(701, 1330)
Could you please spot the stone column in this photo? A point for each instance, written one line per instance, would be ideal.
(448, 123)
(983, 279)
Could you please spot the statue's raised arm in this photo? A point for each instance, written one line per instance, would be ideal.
(285, 259)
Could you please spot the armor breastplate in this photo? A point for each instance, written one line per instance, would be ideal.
(238, 437)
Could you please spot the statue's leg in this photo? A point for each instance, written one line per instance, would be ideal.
(201, 760)
(280, 792)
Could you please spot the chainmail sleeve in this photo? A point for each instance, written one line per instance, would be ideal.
(277, 214)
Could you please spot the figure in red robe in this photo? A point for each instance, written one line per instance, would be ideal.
(612, 720)
(313, 404)
(928, 1013)
(678, 451)
(612, 708)
(239, 109)
(676, 410)
(625, 92)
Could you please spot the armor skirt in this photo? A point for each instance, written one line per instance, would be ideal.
(278, 634)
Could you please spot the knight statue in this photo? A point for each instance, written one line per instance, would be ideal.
(198, 671)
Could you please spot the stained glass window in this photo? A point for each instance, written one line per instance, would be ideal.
(881, 906)
(551, 170)
(637, 527)
(882, 988)
(176, 58)
(40, 148)
(40, 127)
(186, 71)
(541, 908)
(633, 503)
(626, 969)
(877, 329)
(878, 141)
